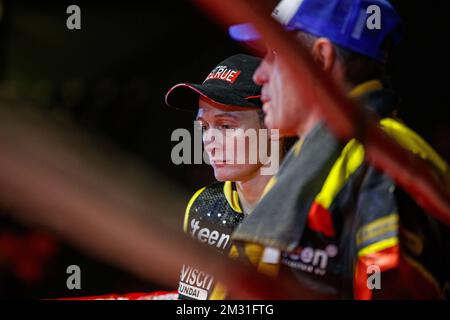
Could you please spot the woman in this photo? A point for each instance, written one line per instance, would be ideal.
(228, 108)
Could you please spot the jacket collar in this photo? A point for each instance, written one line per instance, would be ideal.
(375, 96)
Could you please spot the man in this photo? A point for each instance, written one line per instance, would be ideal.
(228, 101)
(344, 229)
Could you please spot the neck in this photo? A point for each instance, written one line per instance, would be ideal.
(310, 122)
(251, 190)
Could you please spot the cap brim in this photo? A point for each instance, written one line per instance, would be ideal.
(185, 96)
(244, 32)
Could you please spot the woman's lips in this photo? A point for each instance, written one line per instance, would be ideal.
(219, 166)
(219, 162)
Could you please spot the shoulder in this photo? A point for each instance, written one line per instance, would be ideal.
(211, 215)
(206, 195)
(353, 154)
(410, 140)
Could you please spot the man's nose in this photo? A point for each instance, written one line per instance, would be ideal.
(260, 76)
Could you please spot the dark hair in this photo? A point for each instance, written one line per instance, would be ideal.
(358, 68)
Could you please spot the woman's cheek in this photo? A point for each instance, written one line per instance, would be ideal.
(228, 141)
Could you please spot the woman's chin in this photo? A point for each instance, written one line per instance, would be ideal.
(235, 172)
(224, 174)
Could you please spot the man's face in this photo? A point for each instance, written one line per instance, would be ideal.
(223, 152)
(282, 105)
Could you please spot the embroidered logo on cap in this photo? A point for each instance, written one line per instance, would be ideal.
(223, 73)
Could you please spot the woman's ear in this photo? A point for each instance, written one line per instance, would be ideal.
(324, 54)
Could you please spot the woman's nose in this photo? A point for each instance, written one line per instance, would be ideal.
(209, 140)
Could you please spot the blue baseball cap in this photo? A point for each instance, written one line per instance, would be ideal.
(358, 25)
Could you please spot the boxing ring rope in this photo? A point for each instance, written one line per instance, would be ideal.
(343, 116)
(45, 182)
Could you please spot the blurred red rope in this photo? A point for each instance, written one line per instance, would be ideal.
(45, 181)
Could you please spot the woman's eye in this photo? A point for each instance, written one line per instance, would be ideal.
(226, 126)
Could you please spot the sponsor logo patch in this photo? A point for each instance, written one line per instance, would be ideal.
(211, 237)
(194, 283)
(310, 260)
(223, 73)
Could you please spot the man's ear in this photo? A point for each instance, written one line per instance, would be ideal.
(324, 54)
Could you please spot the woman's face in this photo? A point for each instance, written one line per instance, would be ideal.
(231, 140)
